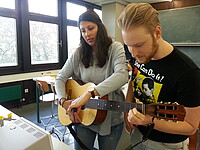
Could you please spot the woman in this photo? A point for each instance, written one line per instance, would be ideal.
(102, 61)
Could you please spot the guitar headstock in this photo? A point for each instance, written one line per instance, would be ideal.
(173, 112)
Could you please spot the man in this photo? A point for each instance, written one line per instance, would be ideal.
(176, 79)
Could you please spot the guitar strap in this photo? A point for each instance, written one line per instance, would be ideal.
(76, 137)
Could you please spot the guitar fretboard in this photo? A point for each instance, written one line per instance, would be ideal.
(113, 105)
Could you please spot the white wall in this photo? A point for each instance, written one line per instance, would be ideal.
(110, 14)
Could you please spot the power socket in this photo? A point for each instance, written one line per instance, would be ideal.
(26, 90)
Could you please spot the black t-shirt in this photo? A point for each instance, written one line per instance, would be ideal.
(174, 78)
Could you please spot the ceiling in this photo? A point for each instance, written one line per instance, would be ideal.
(123, 2)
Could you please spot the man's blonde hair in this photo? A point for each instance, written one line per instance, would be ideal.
(139, 14)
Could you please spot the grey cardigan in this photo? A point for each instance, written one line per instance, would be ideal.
(110, 79)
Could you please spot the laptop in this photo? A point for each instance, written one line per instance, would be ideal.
(22, 134)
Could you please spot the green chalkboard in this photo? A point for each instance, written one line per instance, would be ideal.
(181, 25)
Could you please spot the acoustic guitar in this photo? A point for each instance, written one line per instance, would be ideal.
(95, 110)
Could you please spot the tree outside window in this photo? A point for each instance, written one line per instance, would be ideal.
(8, 40)
(44, 42)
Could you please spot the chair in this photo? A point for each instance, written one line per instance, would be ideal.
(60, 129)
(45, 95)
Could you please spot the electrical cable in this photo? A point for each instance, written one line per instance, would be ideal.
(53, 132)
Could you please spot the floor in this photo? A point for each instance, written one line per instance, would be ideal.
(29, 112)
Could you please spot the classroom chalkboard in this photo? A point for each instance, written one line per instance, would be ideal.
(181, 25)
(193, 52)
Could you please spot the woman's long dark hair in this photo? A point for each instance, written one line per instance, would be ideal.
(103, 43)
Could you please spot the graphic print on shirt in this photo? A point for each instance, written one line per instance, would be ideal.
(146, 89)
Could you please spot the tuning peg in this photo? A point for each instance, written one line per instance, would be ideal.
(161, 102)
(175, 103)
(170, 120)
(175, 121)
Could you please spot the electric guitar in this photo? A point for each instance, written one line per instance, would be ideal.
(95, 110)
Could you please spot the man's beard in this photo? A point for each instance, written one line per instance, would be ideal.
(155, 47)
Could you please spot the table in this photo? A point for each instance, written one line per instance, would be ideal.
(57, 145)
(50, 80)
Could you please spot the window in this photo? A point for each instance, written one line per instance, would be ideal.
(99, 12)
(8, 42)
(71, 13)
(44, 42)
(73, 33)
(8, 33)
(38, 35)
(7, 4)
(45, 7)
(73, 36)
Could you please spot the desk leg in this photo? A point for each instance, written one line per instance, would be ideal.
(37, 105)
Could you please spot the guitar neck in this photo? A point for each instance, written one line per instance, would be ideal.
(114, 105)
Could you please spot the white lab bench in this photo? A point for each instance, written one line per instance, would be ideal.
(57, 145)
